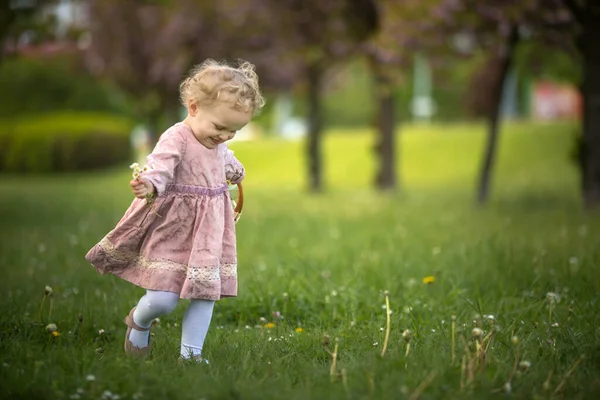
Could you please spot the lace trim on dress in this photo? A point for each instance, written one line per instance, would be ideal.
(194, 273)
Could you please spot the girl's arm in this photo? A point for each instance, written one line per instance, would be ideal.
(234, 170)
(164, 159)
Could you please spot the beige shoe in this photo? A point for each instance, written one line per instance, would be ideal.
(130, 349)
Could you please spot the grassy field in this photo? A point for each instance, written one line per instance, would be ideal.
(523, 270)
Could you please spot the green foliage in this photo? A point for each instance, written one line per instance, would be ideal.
(63, 142)
(34, 87)
(323, 262)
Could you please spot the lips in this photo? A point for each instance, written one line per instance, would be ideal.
(215, 141)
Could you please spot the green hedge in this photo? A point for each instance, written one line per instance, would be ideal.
(62, 142)
(34, 86)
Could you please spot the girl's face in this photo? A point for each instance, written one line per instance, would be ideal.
(215, 123)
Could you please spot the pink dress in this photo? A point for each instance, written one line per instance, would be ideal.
(189, 247)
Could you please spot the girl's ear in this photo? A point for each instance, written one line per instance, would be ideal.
(192, 108)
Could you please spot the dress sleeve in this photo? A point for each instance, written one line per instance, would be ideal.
(163, 160)
(234, 170)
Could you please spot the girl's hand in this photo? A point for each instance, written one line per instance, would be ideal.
(141, 188)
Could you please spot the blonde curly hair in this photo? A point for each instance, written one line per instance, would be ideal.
(213, 80)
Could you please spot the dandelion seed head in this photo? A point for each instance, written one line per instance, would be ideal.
(51, 328)
(48, 290)
(524, 365)
(552, 298)
(476, 332)
(90, 378)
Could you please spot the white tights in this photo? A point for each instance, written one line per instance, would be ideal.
(195, 321)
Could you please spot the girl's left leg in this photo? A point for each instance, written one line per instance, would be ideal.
(194, 328)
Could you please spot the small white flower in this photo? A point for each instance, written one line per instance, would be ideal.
(101, 332)
(134, 165)
(247, 327)
(507, 388)
(75, 396)
(375, 344)
(90, 378)
(381, 329)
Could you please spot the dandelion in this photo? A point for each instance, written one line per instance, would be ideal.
(56, 334)
(507, 388)
(48, 292)
(269, 325)
(51, 328)
(476, 333)
(524, 365)
(101, 332)
(429, 279)
(262, 320)
(299, 330)
(552, 298)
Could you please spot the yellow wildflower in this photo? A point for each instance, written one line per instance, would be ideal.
(56, 334)
(429, 279)
(299, 330)
(269, 325)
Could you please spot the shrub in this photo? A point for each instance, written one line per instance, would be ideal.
(63, 142)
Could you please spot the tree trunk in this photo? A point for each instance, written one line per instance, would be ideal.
(315, 127)
(504, 61)
(385, 147)
(590, 90)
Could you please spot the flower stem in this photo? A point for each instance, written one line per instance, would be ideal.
(387, 329)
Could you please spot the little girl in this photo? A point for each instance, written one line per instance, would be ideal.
(183, 244)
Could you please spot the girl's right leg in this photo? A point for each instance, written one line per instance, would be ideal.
(152, 305)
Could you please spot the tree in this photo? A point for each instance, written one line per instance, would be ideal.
(388, 53)
(145, 47)
(17, 18)
(313, 35)
(586, 14)
(497, 27)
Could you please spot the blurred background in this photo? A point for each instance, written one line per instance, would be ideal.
(90, 85)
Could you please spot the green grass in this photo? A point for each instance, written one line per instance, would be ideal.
(324, 262)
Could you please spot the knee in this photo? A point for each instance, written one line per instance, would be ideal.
(163, 302)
